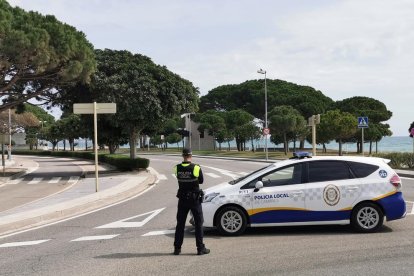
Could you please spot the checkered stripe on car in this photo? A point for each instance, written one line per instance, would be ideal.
(378, 188)
(314, 194)
(244, 199)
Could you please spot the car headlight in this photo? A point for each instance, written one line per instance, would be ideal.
(210, 197)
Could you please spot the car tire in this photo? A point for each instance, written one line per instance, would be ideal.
(231, 221)
(367, 217)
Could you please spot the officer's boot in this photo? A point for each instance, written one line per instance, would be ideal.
(203, 251)
(177, 251)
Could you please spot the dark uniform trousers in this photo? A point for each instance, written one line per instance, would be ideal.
(185, 205)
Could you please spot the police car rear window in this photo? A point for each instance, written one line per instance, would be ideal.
(328, 171)
(361, 170)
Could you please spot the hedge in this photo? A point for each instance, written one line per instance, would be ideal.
(399, 160)
(120, 161)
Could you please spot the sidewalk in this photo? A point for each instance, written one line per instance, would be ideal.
(77, 199)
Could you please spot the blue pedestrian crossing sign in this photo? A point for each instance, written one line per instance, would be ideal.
(362, 122)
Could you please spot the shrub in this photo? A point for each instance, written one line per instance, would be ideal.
(399, 160)
(121, 162)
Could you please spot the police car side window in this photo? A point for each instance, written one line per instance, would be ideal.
(283, 176)
(362, 170)
(328, 171)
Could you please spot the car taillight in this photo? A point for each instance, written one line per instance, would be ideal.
(396, 181)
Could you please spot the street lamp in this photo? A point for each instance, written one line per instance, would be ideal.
(261, 71)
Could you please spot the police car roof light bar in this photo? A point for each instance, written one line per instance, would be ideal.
(301, 155)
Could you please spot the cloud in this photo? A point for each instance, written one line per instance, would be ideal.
(343, 48)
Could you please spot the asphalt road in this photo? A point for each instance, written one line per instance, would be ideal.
(139, 240)
(52, 175)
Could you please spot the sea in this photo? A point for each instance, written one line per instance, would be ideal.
(387, 144)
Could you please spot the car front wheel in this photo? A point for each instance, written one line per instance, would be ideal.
(231, 221)
(367, 217)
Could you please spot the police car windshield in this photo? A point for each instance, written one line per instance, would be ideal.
(235, 181)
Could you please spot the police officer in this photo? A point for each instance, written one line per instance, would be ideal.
(189, 176)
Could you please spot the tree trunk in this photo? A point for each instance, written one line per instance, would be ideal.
(340, 147)
(86, 144)
(376, 146)
(294, 144)
(132, 143)
(285, 143)
(324, 147)
(302, 144)
(370, 147)
(112, 148)
(71, 144)
(64, 144)
(252, 145)
(228, 145)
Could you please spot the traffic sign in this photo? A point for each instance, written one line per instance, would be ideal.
(88, 108)
(362, 122)
(266, 131)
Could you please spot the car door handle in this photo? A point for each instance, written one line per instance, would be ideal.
(352, 188)
(296, 194)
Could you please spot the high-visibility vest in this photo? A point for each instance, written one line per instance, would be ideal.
(187, 175)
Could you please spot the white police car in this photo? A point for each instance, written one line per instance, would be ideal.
(319, 190)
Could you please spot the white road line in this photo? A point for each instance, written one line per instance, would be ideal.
(95, 238)
(162, 177)
(55, 180)
(225, 172)
(14, 182)
(25, 243)
(73, 179)
(213, 175)
(35, 180)
(77, 216)
(157, 233)
(124, 223)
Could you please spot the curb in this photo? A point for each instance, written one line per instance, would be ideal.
(45, 215)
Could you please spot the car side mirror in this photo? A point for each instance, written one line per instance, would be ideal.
(258, 186)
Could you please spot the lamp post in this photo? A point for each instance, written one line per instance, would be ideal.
(10, 139)
(261, 71)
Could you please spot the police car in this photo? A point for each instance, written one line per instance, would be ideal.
(360, 191)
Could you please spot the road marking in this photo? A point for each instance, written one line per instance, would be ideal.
(162, 177)
(124, 223)
(174, 175)
(73, 179)
(14, 182)
(35, 180)
(95, 238)
(157, 233)
(243, 173)
(78, 216)
(213, 175)
(55, 180)
(25, 243)
(225, 172)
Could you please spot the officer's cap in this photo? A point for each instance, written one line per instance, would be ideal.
(187, 152)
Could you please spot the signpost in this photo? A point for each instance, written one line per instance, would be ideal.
(312, 122)
(95, 109)
(412, 134)
(362, 123)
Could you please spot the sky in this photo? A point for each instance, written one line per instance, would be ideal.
(342, 48)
